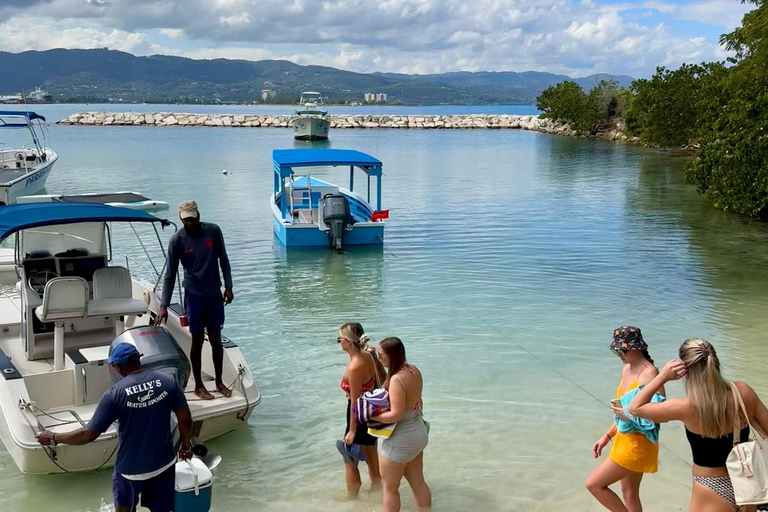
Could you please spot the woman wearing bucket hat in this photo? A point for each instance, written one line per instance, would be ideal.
(633, 454)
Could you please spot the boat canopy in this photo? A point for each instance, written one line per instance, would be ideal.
(13, 114)
(284, 160)
(18, 217)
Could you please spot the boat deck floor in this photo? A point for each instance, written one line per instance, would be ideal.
(8, 175)
(12, 346)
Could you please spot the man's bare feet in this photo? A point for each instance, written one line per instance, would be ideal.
(203, 393)
(224, 390)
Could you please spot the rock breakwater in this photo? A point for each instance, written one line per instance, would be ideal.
(432, 122)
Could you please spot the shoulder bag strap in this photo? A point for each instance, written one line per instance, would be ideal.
(736, 415)
(739, 406)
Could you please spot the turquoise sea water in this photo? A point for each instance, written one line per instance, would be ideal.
(510, 256)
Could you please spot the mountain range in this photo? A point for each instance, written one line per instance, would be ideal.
(108, 75)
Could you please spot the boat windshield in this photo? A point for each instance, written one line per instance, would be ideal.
(88, 237)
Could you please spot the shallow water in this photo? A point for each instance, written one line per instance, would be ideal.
(510, 257)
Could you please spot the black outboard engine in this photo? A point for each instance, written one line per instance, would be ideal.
(159, 351)
(335, 211)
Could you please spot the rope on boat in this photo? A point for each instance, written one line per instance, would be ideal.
(31, 407)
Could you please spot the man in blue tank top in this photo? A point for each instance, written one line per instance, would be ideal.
(141, 403)
(200, 249)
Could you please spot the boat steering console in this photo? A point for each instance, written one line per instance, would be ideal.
(38, 280)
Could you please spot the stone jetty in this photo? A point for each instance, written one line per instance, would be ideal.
(432, 122)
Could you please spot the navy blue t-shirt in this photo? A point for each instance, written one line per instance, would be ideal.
(141, 403)
(200, 255)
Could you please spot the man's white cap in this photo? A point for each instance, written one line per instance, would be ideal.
(187, 209)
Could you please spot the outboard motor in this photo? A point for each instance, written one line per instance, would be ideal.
(335, 211)
(159, 351)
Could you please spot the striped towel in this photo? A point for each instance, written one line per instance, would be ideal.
(370, 405)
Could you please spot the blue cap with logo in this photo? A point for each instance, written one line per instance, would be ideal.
(123, 353)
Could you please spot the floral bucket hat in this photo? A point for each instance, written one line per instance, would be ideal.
(627, 338)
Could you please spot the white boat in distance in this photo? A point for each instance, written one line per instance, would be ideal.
(71, 306)
(311, 123)
(127, 199)
(23, 171)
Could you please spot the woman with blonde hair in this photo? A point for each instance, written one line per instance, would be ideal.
(633, 454)
(359, 376)
(708, 413)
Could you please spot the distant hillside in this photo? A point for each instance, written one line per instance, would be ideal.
(108, 75)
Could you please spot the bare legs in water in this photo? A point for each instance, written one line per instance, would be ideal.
(392, 473)
(352, 473)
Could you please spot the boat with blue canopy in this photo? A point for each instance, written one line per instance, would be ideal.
(24, 170)
(72, 304)
(309, 211)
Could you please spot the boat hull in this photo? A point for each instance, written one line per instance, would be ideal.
(310, 235)
(369, 233)
(310, 128)
(30, 183)
(211, 418)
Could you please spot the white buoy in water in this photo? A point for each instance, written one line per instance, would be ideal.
(225, 171)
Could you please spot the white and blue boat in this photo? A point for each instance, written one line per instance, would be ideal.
(72, 303)
(308, 211)
(24, 170)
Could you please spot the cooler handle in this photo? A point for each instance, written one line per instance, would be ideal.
(194, 472)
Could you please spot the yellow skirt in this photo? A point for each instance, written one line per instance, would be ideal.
(635, 452)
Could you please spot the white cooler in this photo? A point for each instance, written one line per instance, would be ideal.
(194, 485)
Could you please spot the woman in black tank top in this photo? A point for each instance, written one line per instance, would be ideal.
(708, 414)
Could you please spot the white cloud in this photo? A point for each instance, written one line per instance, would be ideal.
(242, 19)
(722, 13)
(172, 33)
(18, 35)
(575, 37)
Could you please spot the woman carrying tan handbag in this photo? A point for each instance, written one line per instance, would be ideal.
(708, 414)
(748, 461)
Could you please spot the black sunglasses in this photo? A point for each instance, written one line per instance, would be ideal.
(619, 352)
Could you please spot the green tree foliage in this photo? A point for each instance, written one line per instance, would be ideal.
(568, 103)
(731, 167)
(588, 113)
(667, 108)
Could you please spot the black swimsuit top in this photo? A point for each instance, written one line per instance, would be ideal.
(713, 452)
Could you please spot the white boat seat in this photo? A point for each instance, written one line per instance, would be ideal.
(64, 298)
(112, 283)
(116, 307)
(113, 296)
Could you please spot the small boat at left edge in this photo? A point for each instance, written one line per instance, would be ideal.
(24, 171)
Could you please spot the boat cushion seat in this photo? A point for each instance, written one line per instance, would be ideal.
(112, 283)
(116, 307)
(64, 298)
